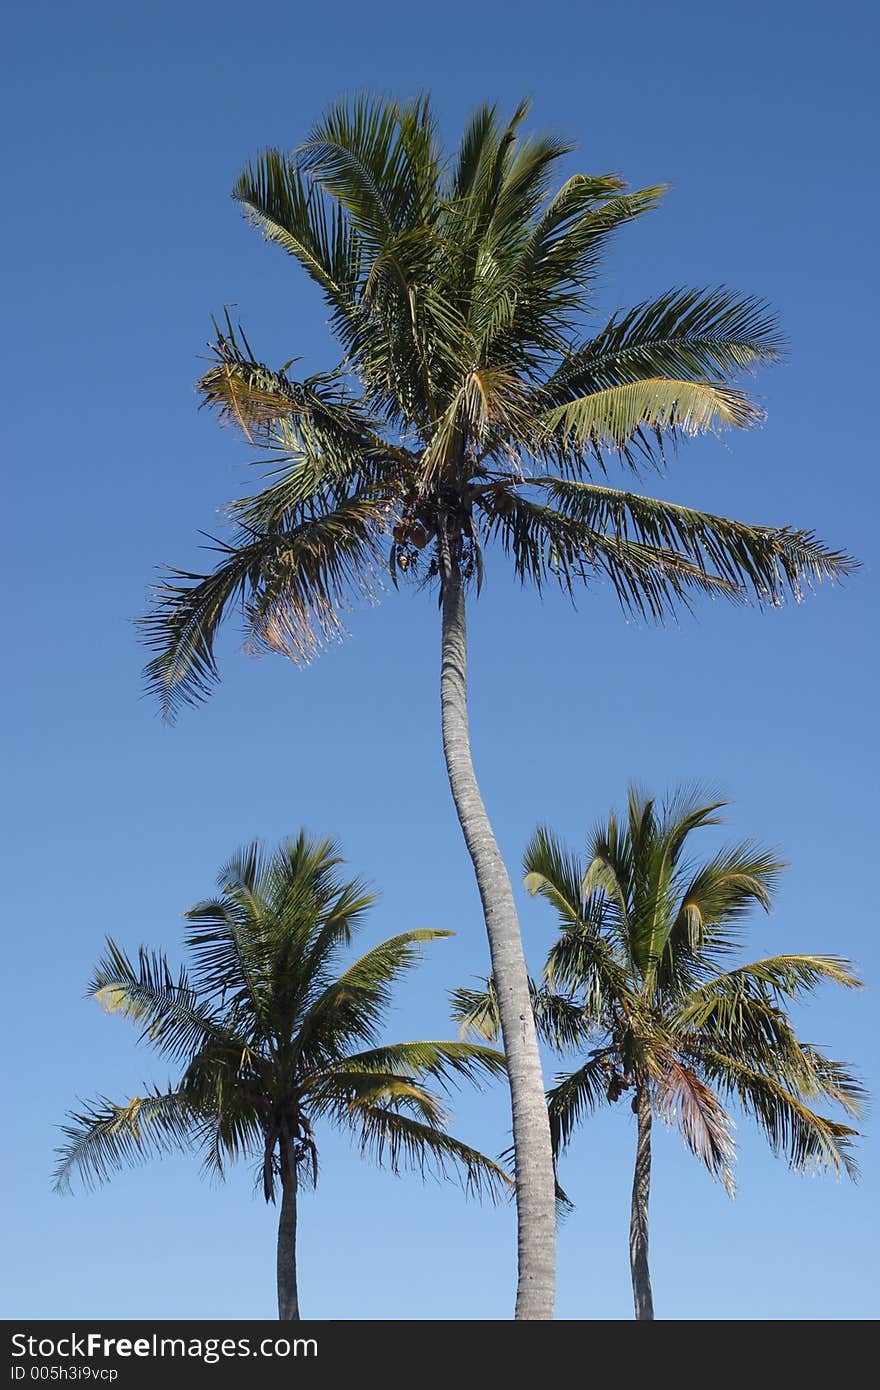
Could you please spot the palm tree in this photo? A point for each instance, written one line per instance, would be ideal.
(637, 979)
(468, 409)
(273, 1038)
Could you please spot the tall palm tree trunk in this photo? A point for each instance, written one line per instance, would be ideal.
(638, 1227)
(288, 1298)
(535, 1184)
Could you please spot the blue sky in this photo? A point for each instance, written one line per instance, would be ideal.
(125, 126)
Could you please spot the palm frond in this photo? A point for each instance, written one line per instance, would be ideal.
(784, 977)
(477, 1011)
(545, 543)
(684, 1099)
(562, 1021)
(106, 1136)
(402, 1142)
(806, 1139)
(294, 215)
(441, 1061)
(767, 562)
(575, 1095)
(342, 1094)
(352, 1006)
(583, 957)
(173, 1017)
(290, 586)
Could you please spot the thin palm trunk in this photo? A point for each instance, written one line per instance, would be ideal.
(288, 1298)
(535, 1184)
(641, 1193)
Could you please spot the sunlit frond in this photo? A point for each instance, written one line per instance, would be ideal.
(173, 1017)
(443, 1062)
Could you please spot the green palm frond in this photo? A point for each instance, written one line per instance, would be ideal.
(722, 892)
(231, 1132)
(561, 1020)
(685, 334)
(379, 161)
(576, 1095)
(289, 586)
(723, 997)
(294, 215)
(343, 1094)
(821, 1076)
(352, 1006)
(174, 1019)
(806, 1139)
(555, 874)
(443, 1062)
(546, 544)
(585, 955)
(769, 562)
(106, 1137)
(402, 1142)
(477, 1011)
(613, 417)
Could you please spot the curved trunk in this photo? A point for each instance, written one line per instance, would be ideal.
(638, 1228)
(288, 1299)
(535, 1180)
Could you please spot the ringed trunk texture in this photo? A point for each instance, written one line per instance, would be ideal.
(638, 1229)
(288, 1298)
(535, 1178)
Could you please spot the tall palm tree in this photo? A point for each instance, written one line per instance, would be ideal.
(272, 1037)
(637, 979)
(469, 409)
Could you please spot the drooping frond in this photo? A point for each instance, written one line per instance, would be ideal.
(575, 1095)
(106, 1137)
(686, 334)
(545, 544)
(684, 1099)
(402, 1142)
(765, 562)
(806, 1139)
(280, 202)
(613, 417)
(342, 1094)
(721, 893)
(290, 587)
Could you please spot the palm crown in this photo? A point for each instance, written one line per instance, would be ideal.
(468, 407)
(639, 977)
(272, 1036)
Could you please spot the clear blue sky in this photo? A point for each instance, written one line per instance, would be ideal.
(125, 127)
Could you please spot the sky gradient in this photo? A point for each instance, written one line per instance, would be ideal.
(125, 127)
